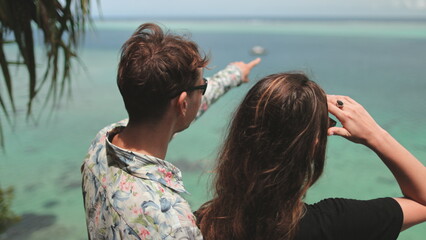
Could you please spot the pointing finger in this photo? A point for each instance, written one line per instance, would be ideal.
(254, 62)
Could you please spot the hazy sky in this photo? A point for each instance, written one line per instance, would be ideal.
(271, 8)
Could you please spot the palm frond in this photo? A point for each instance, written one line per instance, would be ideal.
(62, 23)
(7, 80)
(1, 135)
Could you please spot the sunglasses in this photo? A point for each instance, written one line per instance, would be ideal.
(331, 122)
(199, 87)
(190, 89)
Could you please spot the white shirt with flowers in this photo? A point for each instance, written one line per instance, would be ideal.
(128, 195)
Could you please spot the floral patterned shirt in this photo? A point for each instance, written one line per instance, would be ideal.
(128, 195)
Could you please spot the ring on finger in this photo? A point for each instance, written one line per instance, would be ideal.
(339, 104)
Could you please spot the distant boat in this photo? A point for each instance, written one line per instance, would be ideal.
(258, 50)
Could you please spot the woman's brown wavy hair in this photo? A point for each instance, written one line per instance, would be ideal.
(274, 151)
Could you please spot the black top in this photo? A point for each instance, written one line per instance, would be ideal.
(337, 219)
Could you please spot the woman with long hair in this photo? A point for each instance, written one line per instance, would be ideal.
(275, 151)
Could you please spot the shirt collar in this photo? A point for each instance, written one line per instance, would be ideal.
(143, 166)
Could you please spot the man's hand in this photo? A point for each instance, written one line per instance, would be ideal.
(246, 68)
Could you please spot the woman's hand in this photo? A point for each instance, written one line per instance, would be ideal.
(357, 124)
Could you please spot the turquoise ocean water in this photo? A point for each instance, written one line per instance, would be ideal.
(380, 64)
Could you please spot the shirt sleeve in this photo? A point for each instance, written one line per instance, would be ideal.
(218, 85)
(337, 218)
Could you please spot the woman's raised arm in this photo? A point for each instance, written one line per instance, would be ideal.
(359, 127)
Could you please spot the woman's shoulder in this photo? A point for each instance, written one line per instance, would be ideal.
(337, 205)
(340, 218)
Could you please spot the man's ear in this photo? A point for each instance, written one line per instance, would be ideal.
(182, 103)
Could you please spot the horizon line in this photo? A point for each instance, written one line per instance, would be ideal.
(268, 18)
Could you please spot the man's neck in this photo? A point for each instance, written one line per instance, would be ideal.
(149, 139)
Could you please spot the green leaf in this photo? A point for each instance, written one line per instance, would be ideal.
(7, 217)
(141, 220)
